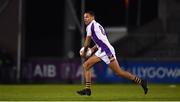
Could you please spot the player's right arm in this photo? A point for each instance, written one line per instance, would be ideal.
(87, 43)
(85, 46)
(88, 39)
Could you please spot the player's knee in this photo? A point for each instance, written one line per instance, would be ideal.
(86, 66)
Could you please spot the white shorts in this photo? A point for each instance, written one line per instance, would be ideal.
(102, 55)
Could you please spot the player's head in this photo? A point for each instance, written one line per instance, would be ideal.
(88, 17)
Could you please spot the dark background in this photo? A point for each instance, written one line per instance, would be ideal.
(44, 28)
(44, 21)
(48, 30)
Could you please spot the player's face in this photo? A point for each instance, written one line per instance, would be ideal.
(87, 18)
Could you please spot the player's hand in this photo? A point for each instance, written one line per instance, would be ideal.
(86, 54)
(82, 54)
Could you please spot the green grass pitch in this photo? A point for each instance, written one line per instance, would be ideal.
(100, 92)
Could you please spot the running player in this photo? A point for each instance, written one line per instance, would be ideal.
(103, 51)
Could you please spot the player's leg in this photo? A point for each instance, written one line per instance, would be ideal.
(87, 65)
(116, 68)
(114, 65)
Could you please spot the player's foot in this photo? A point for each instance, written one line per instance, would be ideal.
(144, 86)
(84, 92)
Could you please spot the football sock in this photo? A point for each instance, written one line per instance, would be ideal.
(137, 80)
(88, 85)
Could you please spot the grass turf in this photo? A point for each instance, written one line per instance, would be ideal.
(107, 92)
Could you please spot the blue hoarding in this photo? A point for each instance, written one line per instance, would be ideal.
(71, 70)
(153, 71)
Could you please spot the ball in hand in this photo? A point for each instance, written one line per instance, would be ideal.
(88, 53)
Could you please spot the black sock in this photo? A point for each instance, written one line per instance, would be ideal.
(137, 80)
(88, 85)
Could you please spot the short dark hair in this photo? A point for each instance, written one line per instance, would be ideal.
(91, 13)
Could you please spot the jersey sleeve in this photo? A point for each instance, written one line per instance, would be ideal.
(88, 31)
